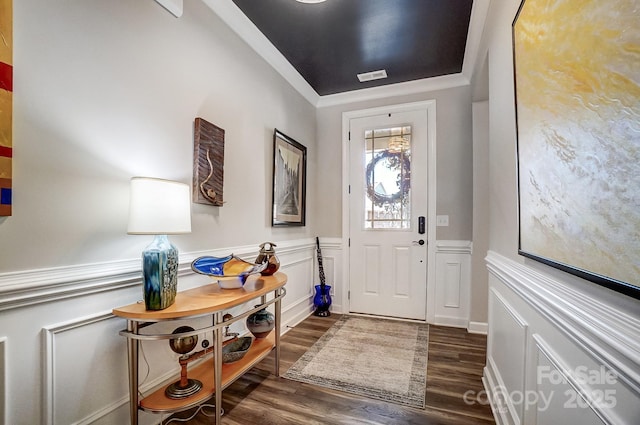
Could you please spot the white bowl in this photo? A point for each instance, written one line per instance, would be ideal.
(231, 282)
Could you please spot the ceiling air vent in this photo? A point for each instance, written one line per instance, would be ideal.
(373, 75)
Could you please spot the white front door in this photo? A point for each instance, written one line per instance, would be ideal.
(387, 214)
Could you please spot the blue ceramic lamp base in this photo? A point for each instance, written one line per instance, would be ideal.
(160, 273)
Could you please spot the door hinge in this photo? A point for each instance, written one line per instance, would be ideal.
(349, 189)
(348, 295)
(349, 241)
(349, 135)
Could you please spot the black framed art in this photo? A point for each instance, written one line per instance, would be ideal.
(289, 181)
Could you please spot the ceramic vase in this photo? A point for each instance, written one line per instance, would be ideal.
(261, 323)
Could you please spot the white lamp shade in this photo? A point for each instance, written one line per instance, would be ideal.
(159, 207)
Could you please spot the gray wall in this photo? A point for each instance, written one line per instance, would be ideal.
(454, 160)
(108, 90)
(103, 91)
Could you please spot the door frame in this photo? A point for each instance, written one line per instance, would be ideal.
(429, 108)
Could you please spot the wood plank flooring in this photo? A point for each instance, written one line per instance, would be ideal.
(455, 363)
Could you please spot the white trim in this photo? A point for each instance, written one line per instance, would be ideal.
(479, 11)
(478, 328)
(29, 287)
(391, 90)
(452, 321)
(4, 367)
(247, 31)
(492, 381)
(608, 335)
(454, 247)
(428, 106)
(48, 359)
(517, 415)
(174, 7)
(568, 376)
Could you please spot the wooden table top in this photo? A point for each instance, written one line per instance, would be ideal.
(205, 299)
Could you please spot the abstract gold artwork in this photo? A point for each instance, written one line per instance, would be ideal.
(577, 76)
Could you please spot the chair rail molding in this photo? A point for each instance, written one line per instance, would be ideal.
(608, 335)
(58, 327)
(566, 340)
(29, 287)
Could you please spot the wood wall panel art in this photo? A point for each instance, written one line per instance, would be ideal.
(208, 163)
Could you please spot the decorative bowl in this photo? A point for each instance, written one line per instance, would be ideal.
(231, 272)
(236, 350)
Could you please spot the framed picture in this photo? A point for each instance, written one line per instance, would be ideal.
(578, 109)
(289, 181)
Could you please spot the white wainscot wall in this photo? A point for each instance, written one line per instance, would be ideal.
(62, 360)
(557, 355)
(453, 283)
(331, 250)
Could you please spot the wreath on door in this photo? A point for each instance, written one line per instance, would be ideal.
(396, 160)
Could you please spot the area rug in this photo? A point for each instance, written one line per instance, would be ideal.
(377, 358)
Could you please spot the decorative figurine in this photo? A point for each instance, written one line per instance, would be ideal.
(268, 254)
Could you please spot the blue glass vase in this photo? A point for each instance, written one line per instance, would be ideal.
(159, 273)
(322, 300)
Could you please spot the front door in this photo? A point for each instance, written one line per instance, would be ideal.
(387, 215)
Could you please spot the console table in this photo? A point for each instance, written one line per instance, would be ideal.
(207, 300)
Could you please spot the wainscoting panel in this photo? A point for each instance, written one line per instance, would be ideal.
(65, 346)
(88, 348)
(453, 283)
(506, 353)
(580, 360)
(563, 397)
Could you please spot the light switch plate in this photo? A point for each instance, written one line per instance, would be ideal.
(442, 220)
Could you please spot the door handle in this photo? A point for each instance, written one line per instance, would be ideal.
(419, 242)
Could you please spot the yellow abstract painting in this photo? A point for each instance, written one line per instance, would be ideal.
(577, 76)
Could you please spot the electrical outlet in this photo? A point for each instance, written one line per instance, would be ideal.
(442, 220)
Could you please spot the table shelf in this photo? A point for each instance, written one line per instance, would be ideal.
(158, 402)
(207, 300)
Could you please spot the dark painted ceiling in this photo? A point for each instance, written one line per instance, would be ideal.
(330, 43)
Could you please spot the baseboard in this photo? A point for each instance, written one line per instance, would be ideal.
(455, 322)
(478, 328)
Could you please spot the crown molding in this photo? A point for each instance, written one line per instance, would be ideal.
(174, 7)
(479, 12)
(391, 90)
(247, 31)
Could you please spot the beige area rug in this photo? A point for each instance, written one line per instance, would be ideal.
(377, 358)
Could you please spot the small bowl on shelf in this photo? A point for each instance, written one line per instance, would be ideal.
(236, 350)
(231, 272)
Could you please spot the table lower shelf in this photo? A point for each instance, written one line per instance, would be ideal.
(158, 402)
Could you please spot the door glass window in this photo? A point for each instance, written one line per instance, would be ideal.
(388, 178)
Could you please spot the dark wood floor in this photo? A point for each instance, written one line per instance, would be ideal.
(454, 367)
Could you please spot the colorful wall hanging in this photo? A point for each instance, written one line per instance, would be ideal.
(6, 105)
